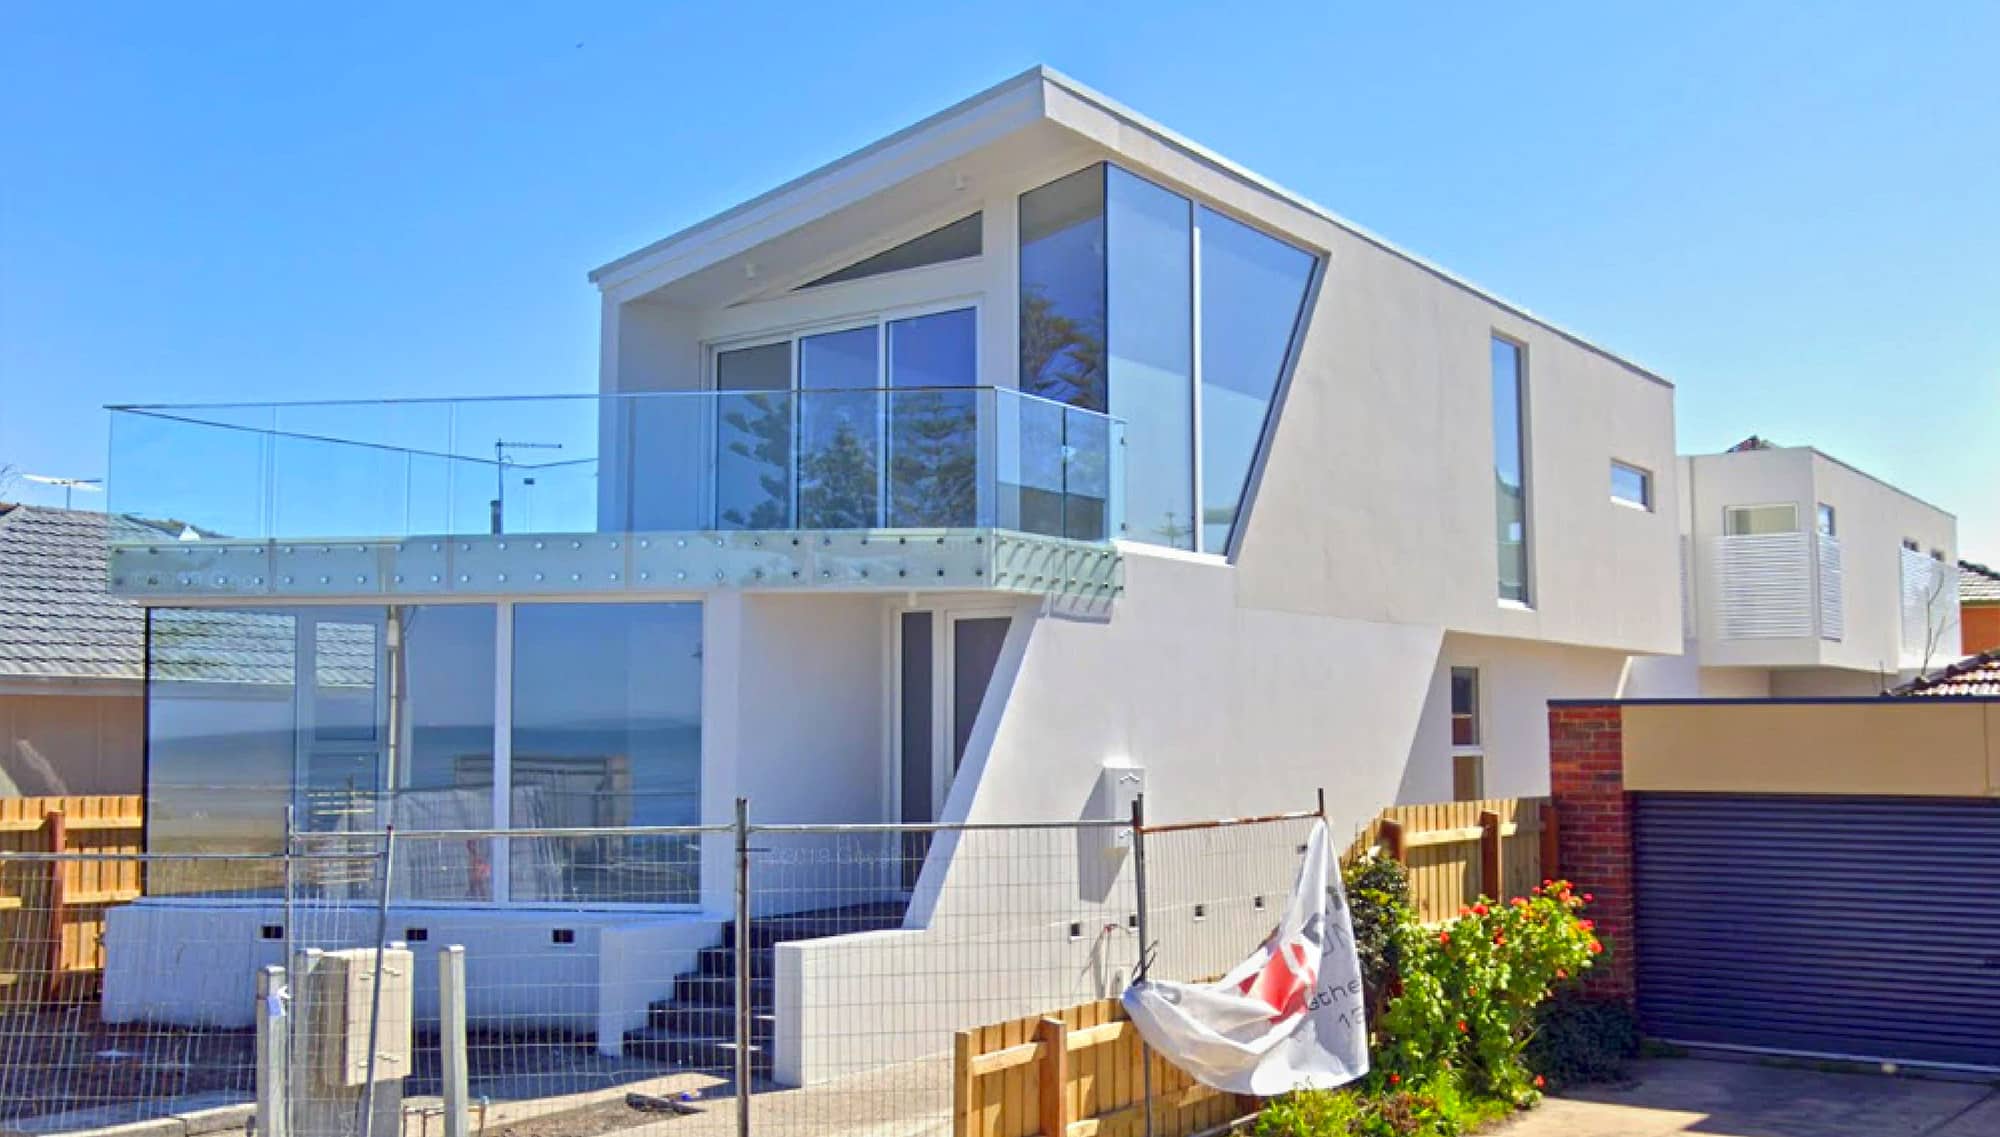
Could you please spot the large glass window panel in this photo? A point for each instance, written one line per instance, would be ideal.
(1253, 288)
(441, 771)
(606, 733)
(1760, 520)
(840, 431)
(1509, 469)
(342, 719)
(1063, 290)
(753, 446)
(1150, 265)
(956, 241)
(934, 437)
(221, 737)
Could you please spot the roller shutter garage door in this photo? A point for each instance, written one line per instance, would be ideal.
(1852, 926)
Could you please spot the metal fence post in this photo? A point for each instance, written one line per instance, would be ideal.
(273, 1060)
(742, 954)
(1139, 897)
(451, 1041)
(289, 944)
(367, 1103)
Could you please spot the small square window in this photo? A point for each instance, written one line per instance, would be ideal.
(1828, 524)
(1911, 545)
(1631, 486)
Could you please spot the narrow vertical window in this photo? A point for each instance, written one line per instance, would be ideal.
(1509, 470)
(1468, 756)
(1828, 523)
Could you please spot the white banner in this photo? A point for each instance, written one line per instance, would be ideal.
(1287, 1017)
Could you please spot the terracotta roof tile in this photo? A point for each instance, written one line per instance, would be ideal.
(1976, 676)
(1977, 584)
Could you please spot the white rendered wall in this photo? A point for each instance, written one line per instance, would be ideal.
(188, 964)
(1517, 679)
(1231, 710)
(1872, 518)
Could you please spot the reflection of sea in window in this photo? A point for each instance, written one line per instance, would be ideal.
(607, 733)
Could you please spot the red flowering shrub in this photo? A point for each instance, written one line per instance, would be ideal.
(1469, 990)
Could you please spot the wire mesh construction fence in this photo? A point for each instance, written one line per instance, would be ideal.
(805, 979)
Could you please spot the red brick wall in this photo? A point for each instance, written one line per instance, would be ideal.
(1593, 813)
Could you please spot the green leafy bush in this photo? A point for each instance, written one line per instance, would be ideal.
(1378, 903)
(1469, 989)
(1579, 1040)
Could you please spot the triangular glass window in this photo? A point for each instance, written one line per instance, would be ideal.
(953, 242)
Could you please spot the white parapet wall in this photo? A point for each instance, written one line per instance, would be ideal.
(1019, 924)
(193, 964)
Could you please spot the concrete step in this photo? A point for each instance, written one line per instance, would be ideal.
(707, 1022)
(708, 1055)
(714, 991)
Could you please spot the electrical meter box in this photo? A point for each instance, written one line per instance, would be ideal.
(344, 1001)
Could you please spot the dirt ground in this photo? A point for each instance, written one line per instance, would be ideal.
(62, 1059)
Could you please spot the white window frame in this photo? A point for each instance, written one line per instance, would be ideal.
(1477, 748)
(1645, 504)
(1522, 394)
(880, 319)
(1729, 510)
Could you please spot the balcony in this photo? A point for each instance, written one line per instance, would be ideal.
(890, 489)
(1775, 586)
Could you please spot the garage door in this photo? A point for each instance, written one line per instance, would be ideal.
(1861, 927)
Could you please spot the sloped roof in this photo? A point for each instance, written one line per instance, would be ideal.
(1976, 676)
(1977, 584)
(57, 618)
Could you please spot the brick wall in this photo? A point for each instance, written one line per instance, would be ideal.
(1587, 783)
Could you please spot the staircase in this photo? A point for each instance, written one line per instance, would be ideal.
(696, 1029)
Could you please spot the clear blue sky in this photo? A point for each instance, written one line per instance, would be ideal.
(1792, 210)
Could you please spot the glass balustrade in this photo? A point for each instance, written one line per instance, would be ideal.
(901, 458)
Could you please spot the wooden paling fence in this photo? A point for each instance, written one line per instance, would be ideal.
(1075, 1073)
(52, 912)
(1458, 851)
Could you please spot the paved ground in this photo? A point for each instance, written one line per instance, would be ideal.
(1735, 1099)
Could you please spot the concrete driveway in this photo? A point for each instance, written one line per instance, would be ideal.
(1735, 1099)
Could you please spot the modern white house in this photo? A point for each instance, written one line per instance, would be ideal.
(1031, 441)
(1803, 576)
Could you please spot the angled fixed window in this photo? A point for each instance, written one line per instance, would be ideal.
(954, 242)
(1121, 279)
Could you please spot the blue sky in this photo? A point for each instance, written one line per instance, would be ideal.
(1791, 210)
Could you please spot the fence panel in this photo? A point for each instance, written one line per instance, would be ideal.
(52, 912)
(1453, 849)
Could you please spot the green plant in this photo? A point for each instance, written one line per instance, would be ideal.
(1469, 989)
(1438, 1107)
(1378, 903)
(1579, 1040)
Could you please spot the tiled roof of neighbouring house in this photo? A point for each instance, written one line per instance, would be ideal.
(57, 620)
(1978, 584)
(1977, 675)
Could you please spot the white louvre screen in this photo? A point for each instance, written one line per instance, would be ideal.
(1763, 587)
(1832, 606)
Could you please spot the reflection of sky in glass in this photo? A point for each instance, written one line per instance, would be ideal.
(1150, 269)
(1252, 288)
(1511, 515)
(839, 429)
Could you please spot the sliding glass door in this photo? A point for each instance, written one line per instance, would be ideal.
(852, 428)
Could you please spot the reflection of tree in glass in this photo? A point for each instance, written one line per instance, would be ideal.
(765, 438)
(1062, 357)
(933, 469)
(838, 482)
